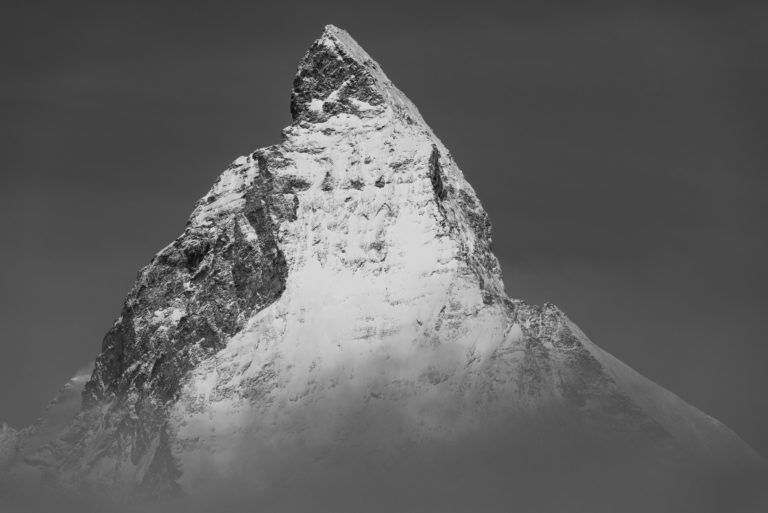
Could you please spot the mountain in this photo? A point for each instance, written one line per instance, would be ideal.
(332, 326)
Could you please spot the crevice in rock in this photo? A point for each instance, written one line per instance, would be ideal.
(436, 174)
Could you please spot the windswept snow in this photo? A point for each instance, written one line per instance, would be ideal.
(334, 295)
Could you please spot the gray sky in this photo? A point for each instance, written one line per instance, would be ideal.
(620, 152)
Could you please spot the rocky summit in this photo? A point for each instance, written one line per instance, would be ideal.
(331, 332)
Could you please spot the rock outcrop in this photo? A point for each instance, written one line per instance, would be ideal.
(334, 299)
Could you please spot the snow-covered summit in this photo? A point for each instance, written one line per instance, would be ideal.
(337, 75)
(335, 297)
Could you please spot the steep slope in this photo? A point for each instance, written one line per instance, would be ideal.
(334, 298)
(17, 446)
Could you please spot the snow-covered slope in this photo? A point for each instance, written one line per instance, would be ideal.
(335, 296)
(18, 446)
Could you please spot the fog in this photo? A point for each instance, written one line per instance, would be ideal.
(529, 471)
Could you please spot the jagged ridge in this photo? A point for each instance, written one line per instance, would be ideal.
(341, 286)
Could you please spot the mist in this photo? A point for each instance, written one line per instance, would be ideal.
(619, 150)
(532, 472)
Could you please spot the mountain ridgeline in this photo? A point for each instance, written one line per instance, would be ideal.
(331, 332)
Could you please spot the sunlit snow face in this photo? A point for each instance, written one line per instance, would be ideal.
(388, 370)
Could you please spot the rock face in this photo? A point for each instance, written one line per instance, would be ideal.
(18, 447)
(334, 299)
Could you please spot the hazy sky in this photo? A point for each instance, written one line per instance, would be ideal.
(620, 151)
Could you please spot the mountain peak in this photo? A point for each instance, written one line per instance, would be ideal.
(337, 75)
(339, 39)
(334, 305)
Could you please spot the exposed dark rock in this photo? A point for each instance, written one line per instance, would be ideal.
(436, 174)
(187, 302)
(166, 359)
(326, 70)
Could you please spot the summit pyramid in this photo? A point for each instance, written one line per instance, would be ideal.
(333, 320)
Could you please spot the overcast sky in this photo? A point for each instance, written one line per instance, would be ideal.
(621, 153)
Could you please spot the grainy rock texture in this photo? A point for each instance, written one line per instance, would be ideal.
(334, 303)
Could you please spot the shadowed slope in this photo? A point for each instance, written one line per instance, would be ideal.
(333, 314)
